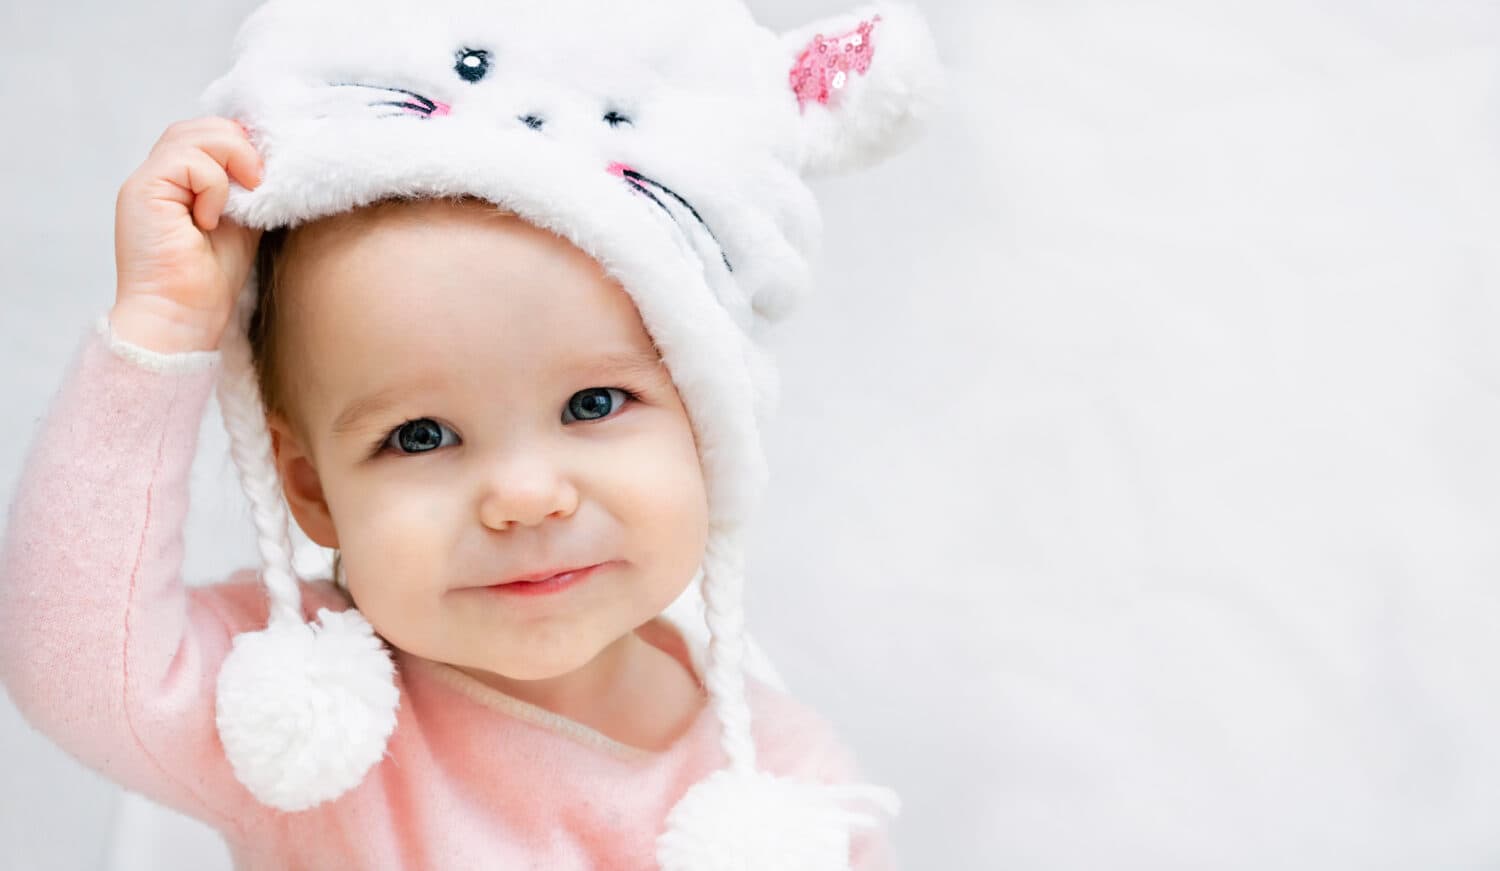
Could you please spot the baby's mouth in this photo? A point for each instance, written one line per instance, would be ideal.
(552, 583)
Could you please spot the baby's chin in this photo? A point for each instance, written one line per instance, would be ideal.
(542, 675)
(514, 653)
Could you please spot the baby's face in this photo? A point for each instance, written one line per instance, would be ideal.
(462, 376)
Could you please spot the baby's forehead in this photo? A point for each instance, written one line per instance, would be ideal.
(433, 234)
(433, 277)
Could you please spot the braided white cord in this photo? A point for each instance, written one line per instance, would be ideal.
(723, 586)
(250, 445)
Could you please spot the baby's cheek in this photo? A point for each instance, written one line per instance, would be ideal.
(393, 560)
(674, 512)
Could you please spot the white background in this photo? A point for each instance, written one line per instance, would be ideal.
(1136, 481)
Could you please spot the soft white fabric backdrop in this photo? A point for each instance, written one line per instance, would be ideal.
(1136, 476)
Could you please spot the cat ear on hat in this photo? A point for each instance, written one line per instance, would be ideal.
(865, 83)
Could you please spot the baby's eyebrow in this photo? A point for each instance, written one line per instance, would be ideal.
(354, 413)
(645, 365)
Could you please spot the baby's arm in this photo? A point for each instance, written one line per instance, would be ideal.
(102, 647)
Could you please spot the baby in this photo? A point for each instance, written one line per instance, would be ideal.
(506, 365)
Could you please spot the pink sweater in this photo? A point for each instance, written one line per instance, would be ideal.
(107, 652)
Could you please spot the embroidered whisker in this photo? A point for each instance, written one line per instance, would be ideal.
(413, 106)
(427, 105)
(636, 177)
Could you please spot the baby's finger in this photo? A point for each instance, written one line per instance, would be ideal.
(224, 139)
(247, 165)
(235, 153)
(210, 187)
(225, 142)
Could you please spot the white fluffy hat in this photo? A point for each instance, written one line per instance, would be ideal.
(669, 140)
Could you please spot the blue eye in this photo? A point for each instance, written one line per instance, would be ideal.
(596, 402)
(416, 436)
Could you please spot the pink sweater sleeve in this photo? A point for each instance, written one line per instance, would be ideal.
(102, 647)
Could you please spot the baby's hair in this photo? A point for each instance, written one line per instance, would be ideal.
(266, 337)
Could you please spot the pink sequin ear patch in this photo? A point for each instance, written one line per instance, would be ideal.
(827, 62)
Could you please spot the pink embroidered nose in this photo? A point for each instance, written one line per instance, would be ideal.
(440, 108)
(618, 169)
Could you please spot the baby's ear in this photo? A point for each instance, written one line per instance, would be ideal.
(865, 81)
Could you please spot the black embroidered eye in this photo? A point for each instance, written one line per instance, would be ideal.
(532, 121)
(472, 64)
(615, 119)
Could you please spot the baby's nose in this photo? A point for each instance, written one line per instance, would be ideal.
(525, 491)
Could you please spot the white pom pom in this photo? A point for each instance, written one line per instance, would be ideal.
(304, 710)
(733, 822)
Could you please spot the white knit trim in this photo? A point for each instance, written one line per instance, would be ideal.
(178, 363)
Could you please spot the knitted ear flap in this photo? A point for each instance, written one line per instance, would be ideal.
(303, 710)
(738, 817)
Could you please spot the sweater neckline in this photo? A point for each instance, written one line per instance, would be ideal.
(660, 632)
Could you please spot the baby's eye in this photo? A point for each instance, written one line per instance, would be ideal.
(416, 436)
(596, 402)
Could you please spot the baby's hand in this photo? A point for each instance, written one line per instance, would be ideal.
(178, 266)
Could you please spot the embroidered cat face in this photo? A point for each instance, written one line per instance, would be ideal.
(707, 118)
